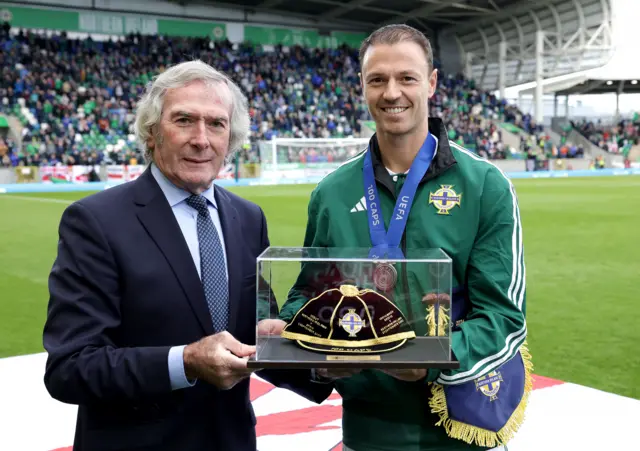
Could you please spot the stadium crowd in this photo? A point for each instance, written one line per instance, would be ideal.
(618, 138)
(541, 144)
(76, 98)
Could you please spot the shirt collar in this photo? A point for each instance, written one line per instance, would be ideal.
(176, 195)
(391, 173)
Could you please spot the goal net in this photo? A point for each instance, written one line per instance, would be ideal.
(303, 158)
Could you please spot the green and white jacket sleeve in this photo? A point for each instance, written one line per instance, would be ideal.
(495, 326)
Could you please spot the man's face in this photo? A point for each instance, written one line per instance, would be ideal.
(192, 139)
(397, 85)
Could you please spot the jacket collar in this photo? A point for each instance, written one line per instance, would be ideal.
(442, 160)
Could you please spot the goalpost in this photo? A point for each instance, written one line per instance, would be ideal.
(303, 158)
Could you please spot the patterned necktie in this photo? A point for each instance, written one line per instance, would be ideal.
(212, 266)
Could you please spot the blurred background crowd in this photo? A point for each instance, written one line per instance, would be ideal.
(76, 99)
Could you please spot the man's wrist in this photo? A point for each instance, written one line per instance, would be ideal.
(188, 357)
(177, 376)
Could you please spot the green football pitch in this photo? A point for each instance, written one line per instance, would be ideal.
(582, 250)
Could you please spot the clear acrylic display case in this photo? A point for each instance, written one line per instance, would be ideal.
(346, 309)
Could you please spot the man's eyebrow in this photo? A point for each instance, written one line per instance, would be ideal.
(403, 72)
(181, 113)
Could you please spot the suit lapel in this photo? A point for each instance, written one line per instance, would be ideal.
(158, 219)
(232, 240)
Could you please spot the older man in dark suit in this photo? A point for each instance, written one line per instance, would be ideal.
(152, 311)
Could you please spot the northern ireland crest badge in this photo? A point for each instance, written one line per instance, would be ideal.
(444, 199)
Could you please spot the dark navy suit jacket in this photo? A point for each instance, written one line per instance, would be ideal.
(123, 291)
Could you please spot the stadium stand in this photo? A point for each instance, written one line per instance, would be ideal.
(75, 98)
(619, 138)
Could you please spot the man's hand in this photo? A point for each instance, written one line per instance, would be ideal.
(219, 359)
(270, 327)
(407, 375)
(337, 373)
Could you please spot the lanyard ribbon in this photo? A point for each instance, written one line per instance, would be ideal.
(388, 242)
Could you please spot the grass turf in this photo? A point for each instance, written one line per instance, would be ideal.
(581, 251)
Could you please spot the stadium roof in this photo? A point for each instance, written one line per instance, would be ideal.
(620, 73)
(591, 81)
(604, 81)
(467, 33)
(366, 15)
(596, 86)
(578, 35)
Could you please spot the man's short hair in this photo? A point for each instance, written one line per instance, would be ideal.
(394, 34)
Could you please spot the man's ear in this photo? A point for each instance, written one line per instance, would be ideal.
(433, 82)
(152, 140)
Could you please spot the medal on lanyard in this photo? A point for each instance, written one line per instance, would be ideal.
(385, 276)
(385, 242)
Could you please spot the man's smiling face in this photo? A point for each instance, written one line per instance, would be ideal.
(397, 83)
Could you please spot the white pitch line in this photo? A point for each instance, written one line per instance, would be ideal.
(38, 199)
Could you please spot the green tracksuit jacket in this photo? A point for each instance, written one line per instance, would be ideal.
(482, 235)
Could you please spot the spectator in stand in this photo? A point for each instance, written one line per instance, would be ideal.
(5, 160)
(9, 155)
(541, 148)
(618, 138)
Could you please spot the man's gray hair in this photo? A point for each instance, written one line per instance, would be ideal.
(149, 109)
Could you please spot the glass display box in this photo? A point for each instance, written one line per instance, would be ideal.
(351, 308)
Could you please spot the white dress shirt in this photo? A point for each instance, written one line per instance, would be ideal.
(187, 218)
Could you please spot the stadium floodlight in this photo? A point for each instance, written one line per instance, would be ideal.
(305, 158)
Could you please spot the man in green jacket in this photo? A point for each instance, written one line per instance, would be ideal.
(428, 192)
